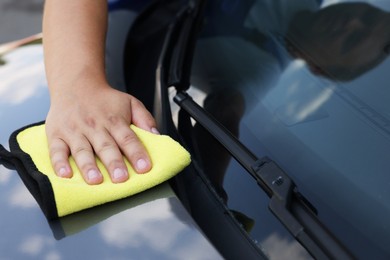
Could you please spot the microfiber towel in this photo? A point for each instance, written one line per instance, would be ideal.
(59, 197)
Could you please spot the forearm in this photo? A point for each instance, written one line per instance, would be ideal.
(87, 117)
(74, 42)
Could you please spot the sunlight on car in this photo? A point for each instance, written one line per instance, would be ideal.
(39, 246)
(274, 242)
(16, 88)
(5, 176)
(20, 197)
(154, 224)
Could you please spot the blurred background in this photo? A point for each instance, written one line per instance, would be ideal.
(19, 19)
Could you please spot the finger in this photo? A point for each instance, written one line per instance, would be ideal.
(132, 148)
(141, 117)
(84, 157)
(109, 153)
(59, 157)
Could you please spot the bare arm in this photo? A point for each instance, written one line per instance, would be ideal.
(86, 115)
(74, 36)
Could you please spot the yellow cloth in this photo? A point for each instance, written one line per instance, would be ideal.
(72, 195)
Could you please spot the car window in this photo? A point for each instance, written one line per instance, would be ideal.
(304, 83)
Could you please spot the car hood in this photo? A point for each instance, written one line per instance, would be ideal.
(148, 225)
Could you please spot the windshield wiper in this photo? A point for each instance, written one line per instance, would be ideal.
(286, 203)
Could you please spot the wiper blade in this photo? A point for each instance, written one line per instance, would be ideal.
(286, 203)
(174, 65)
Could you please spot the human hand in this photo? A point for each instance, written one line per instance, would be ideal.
(92, 121)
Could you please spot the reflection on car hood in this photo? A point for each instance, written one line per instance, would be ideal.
(149, 225)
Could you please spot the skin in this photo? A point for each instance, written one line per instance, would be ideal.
(87, 116)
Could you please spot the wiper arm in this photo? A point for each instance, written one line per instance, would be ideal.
(174, 65)
(285, 202)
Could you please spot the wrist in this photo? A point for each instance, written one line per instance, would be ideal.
(82, 82)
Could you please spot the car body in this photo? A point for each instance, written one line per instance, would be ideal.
(284, 108)
(153, 225)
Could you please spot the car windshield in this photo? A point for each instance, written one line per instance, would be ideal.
(305, 83)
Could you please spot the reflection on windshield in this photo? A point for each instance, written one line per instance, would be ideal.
(306, 81)
(355, 35)
(275, 242)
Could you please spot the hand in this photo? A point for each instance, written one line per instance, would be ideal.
(93, 121)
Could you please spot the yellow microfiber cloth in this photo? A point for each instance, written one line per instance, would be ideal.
(61, 196)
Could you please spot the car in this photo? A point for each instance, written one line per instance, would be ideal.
(283, 107)
(151, 225)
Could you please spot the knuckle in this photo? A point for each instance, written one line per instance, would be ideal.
(53, 133)
(90, 122)
(150, 120)
(54, 150)
(129, 139)
(136, 102)
(56, 155)
(114, 120)
(105, 146)
(58, 149)
(71, 127)
(80, 150)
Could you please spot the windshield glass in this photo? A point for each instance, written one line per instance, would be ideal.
(305, 83)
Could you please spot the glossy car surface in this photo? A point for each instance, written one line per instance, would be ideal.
(289, 111)
(303, 86)
(150, 225)
(303, 83)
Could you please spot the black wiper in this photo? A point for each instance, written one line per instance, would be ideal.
(174, 65)
(286, 203)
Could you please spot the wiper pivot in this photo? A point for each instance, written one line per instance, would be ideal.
(281, 187)
(286, 203)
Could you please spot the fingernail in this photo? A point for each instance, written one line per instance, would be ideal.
(141, 165)
(155, 131)
(62, 172)
(93, 175)
(119, 174)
